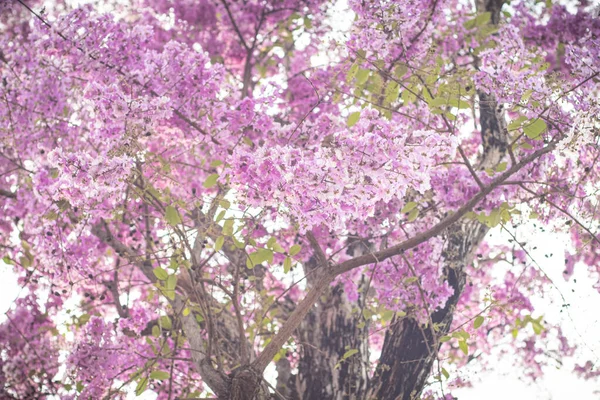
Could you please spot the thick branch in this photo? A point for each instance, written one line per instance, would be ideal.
(8, 194)
(443, 224)
(292, 323)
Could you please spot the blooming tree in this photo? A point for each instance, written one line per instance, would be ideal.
(194, 191)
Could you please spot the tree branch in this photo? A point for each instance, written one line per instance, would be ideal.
(470, 167)
(7, 193)
(235, 27)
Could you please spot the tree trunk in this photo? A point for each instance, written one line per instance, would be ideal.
(331, 329)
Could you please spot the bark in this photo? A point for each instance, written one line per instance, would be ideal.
(331, 328)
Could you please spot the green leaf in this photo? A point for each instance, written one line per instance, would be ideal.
(228, 227)
(25, 262)
(266, 255)
(220, 216)
(219, 243)
(387, 315)
(210, 181)
(155, 331)
(535, 129)
(494, 218)
(307, 23)
(141, 386)
(408, 96)
(400, 71)
(353, 118)
(458, 103)
(159, 375)
(186, 311)
(505, 215)
(83, 319)
(172, 216)
(411, 279)
(478, 322)
(165, 322)
(216, 163)
(408, 207)
(7, 260)
(160, 273)
(483, 18)
(295, 249)
(445, 338)
(238, 244)
(445, 373)
(258, 257)
(516, 124)
(464, 347)
(51, 215)
(525, 97)
(413, 215)
(437, 102)
(171, 283)
(464, 335)
(287, 265)
(479, 20)
(362, 76)
(277, 248)
(349, 353)
(151, 192)
(225, 204)
(537, 327)
(501, 167)
(392, 91)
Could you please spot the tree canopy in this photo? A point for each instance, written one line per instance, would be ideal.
(193, 191)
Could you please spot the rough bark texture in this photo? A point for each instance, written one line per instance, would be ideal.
(331, 329)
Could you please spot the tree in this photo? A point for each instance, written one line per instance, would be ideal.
(194, 190)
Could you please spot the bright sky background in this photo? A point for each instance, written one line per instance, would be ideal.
(581, 324)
